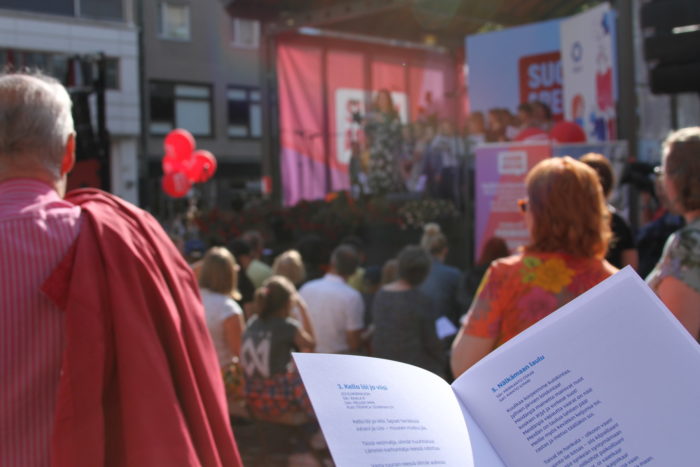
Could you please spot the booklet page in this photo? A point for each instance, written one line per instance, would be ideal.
(610, 379)
(381, 413)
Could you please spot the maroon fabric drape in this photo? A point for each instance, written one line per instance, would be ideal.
(140, 382)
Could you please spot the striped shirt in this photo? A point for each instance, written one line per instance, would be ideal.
(36, 230)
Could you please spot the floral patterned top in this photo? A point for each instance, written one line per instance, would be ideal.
(520, 290)
(680, 258)
(384, 132)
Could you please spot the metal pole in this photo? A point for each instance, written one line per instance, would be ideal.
(627, 102)
(145, 198)
(270, 107)
(102, 132)
(326, 129)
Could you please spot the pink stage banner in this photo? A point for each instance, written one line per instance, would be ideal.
(326, 87)
(500, 183)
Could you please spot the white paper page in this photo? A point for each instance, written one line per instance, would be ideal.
(377, 412)
(444, 327)
(484, 454)
(612, 378)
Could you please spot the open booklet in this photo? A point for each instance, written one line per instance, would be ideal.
(612, 379)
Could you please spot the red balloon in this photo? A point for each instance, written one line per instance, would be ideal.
(202, 166)
(176, 184)
(179, 143)
(171, 164)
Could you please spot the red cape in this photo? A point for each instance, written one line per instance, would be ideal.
(140, 382)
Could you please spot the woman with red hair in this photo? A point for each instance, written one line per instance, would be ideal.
(569, 226)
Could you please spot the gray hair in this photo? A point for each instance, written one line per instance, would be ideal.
(35, 121)
(345, 260)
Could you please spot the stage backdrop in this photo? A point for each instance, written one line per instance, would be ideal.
(567, 63)
(515, 65)
(588, 65)
(326, 87)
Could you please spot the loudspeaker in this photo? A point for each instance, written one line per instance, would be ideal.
(672, 45)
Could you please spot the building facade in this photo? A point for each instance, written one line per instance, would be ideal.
(201, 73)
(55, 36)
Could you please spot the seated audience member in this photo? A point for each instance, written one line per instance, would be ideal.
(404, 326)
(104, 353)
(273, 387)
(529, 130)
(390, 271)
(676, 277)
(652, 236)
(621, 251)
(356, 281)
(256, 270)
(542, 115)
(569, 226)
(496, 131)
(290, 265)
(218, 279)
(494, 248)
(335, 308)
(372, 284)
(315, 251)
(442, 281)
(274, 390)
(242, 252)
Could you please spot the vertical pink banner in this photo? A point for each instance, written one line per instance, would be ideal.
(346, 102)
(500, 181)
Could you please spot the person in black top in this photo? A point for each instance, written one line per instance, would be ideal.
(242, 252)
(622, 250)
(404, 324)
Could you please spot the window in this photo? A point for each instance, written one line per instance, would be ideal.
(102, 9)
(244, 112)
(65, 68)
(54, 7)
(175, 105)
(112, 73)
(174, 21)
(245, 33)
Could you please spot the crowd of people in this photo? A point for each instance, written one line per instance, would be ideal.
(432, 155)
(117, 351)
(428, 155)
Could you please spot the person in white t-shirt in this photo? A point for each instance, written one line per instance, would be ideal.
(336, 309)
(217, 281)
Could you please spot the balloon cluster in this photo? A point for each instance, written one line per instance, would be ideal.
(182, 165)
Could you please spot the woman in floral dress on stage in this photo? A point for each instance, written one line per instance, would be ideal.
(384, 132)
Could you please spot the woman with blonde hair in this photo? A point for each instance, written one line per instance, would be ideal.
(218, 277)
(290, 265)
(569, 226)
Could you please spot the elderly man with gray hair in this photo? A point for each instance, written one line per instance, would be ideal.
(104, 355)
